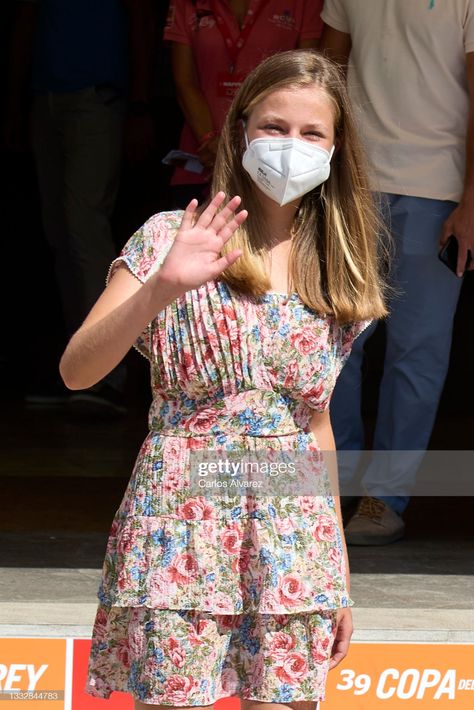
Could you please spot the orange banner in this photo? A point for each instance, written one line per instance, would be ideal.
(32, 673)
(403, 676)
(50, 674)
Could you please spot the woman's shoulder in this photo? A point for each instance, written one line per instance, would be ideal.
(162, 224)
(146, 249)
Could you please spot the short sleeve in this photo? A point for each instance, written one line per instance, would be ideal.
(312, 25)
(334, 14)
(181, 17)
(468, 27)
(143, 254)
(347, 334)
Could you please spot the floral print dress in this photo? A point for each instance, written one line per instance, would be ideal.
(204, 597)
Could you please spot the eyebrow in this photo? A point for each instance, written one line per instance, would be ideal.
(278, 119)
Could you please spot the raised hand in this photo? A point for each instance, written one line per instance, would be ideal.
(194, 258)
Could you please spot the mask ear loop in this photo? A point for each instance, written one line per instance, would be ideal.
(331, 152)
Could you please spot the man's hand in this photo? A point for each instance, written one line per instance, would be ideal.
(461, 223)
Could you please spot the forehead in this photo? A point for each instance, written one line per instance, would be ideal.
(306, 102)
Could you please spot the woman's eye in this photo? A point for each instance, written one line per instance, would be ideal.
(272, 127)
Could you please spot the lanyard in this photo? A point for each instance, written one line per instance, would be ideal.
(234, 46)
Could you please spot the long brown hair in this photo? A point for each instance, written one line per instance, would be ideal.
(336, 251)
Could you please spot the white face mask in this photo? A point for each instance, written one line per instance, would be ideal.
(286, 168)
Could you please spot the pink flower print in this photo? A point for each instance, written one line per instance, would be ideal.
(293, 669)
(226, 621)
(221, 603)
(320, 649)
(325, 529)
(183, 568)
(173, 481)
(305, 341)
(281, 645)
(127, 539)
(175, 651)
(309, 504)
(196, 509)
(313, 553)
(193, 637)
(231, 539)
(241, 563)
(314, 394)
(284, 526)
(123, 653)
(208, 531)
(202, 421)
(291, 590)
(270, 602)
(291, 373)
(161, 587)
(178, 688)
(203, 626)
(226, 323)
(125, 581)
(229, 680)
(136, 639)
(146, 262)
(100, 625)
(187, 366)
(173, 449)
(258, 671)
(114, 528)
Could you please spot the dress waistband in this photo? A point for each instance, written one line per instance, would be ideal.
(250, 413)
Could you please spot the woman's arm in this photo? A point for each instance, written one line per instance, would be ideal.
(118, 317)
(321, 427)
(126, 306)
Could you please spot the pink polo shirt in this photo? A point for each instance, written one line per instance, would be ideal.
(278, 25)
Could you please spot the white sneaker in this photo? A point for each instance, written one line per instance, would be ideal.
(374, 523)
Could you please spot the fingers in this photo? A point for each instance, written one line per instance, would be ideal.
(341, 652)
(187, 221)
(216, 219)
(225, 261)
(230, 227)
(342, 639)
(462, 260)
(206, 217)
(226, 213)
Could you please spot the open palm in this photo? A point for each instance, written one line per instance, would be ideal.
(194, 258)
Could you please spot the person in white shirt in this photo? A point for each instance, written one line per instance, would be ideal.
(410, 72)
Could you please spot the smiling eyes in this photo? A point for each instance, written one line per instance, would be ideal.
(275, 129)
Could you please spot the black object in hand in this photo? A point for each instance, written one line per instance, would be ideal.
(449, 255)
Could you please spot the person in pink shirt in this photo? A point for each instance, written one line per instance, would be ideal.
(215, 44)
